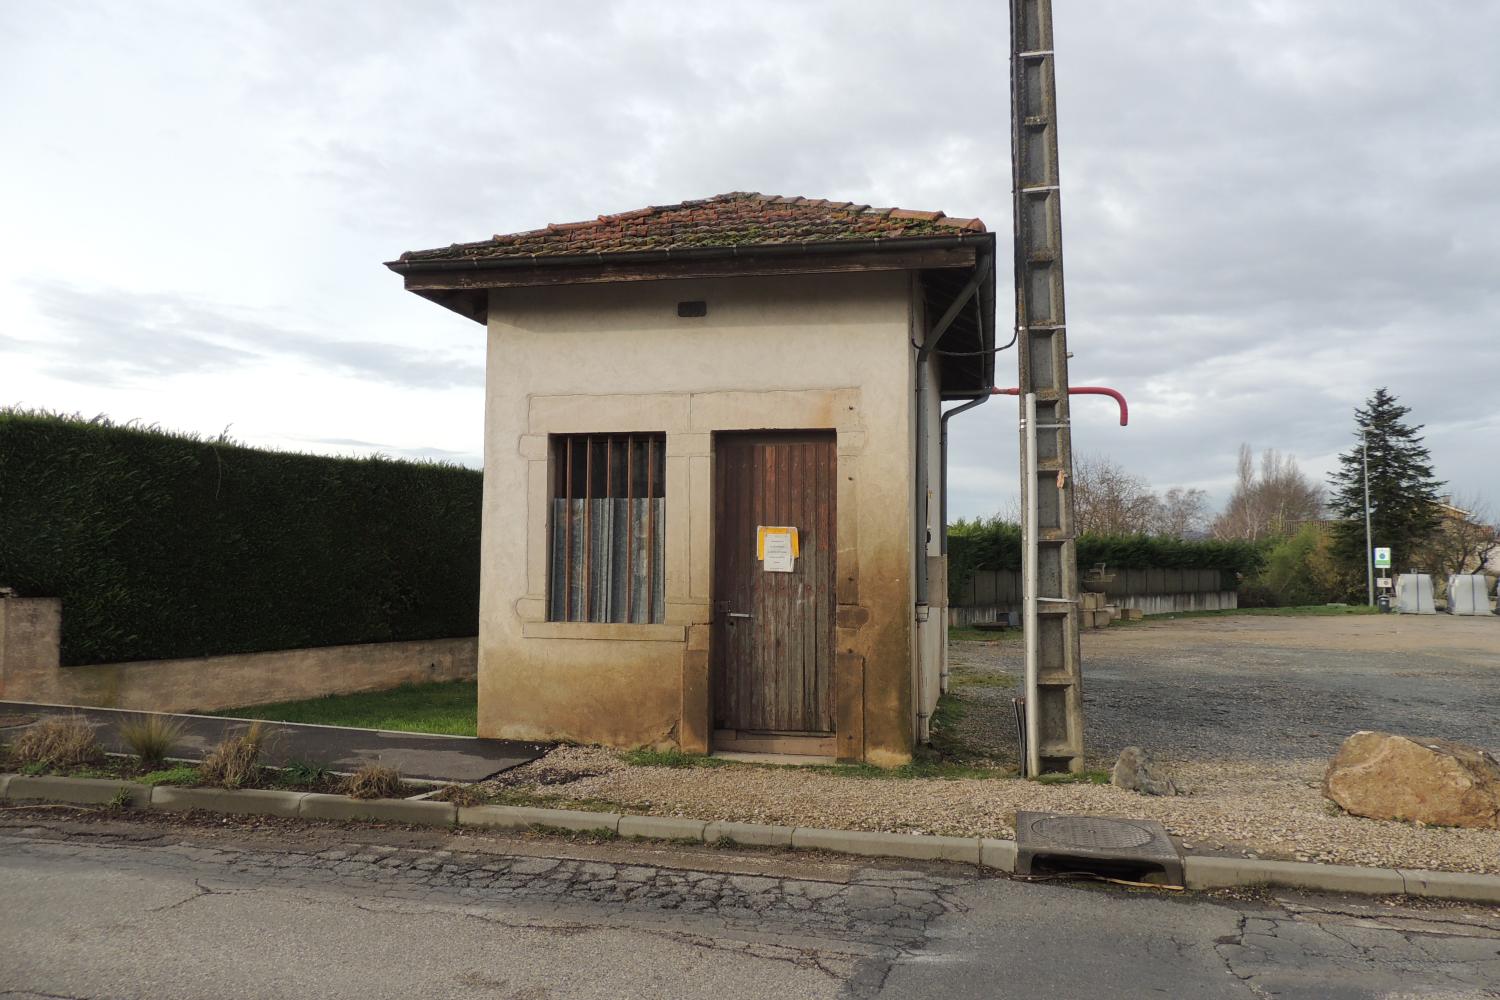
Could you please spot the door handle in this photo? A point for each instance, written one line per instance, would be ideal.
(740, 614)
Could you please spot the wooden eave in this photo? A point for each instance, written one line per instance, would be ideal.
(464, 285)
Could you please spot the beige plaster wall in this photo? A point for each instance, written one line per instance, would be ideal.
(30, 629)
(790, 352)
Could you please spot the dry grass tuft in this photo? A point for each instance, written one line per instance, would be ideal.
(61, 741)
(152, 738)
(461, 795)
(374, 781)
(235, 762)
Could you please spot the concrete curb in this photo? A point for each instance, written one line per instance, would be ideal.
(1452, 885)
(244, 801)
(662, 827)
(894, 845)
(526, 817)
(1201, 872)
(341, 807)
(1226, 873)
(749, 834)
(75, 791)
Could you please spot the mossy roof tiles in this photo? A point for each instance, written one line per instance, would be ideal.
(738, 219)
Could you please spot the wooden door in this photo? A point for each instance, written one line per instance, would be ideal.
(773, 631)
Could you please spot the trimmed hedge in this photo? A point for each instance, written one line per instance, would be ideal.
(996, 545)
(164, 545)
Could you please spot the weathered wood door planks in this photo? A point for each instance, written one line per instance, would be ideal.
(773, 631)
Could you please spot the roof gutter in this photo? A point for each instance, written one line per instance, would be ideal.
(694, 253)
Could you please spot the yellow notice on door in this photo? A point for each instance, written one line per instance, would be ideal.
(776, 548)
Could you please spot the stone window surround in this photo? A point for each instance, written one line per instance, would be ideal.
(689, 420)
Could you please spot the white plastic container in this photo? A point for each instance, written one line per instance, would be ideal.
(1414, 594)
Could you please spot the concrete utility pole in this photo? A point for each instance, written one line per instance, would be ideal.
(1364, 456)
(1055, 696)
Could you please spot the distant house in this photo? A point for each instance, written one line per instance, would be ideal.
(713, 472)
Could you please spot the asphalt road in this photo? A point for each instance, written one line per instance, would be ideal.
(141, 908)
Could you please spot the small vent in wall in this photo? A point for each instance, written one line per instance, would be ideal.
(692, 309)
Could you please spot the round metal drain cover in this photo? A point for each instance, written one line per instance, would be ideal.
(1091, 833)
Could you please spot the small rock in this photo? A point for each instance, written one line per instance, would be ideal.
(1135, 771)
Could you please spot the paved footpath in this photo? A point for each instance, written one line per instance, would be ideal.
(147, 908)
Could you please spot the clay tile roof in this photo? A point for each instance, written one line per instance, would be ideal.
(728, 220)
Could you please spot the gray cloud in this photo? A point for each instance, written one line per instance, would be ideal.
(115, 337)
(1269, 208)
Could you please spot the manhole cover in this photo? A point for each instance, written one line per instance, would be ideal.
(1133, 848)
(1092, 833)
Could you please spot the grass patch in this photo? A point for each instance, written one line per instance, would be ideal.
(646, 757)
(1302, 611)
(1081, 778)
(985, 680)
(931, 768)
(152, 738)
(964, 633)
(57, 742)
(446, 707)
(183, 775)
(374, 781)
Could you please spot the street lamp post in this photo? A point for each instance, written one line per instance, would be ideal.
(1364, 454)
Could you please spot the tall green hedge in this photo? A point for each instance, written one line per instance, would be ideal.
(164, 545)
(992, 544)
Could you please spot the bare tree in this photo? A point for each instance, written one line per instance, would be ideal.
(1107, 500)
(1180, 513)
(1270, 502)
(1464, 541)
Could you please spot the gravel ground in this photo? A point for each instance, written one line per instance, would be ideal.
(1255, 689)
(1246, 710)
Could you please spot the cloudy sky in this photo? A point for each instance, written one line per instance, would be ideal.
(1270, 206)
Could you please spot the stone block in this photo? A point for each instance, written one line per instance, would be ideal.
(524, 817)
(77, 791)
(342, 807)
(750, 834)
(1222, 873)
(243, 801)
(1452, 885)
(4, 783)
(889, 845)
(1133, 614)
(662, 827)
(998, 854)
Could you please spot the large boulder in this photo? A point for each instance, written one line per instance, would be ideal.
(1433, 781)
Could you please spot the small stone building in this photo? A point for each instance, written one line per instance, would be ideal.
(714, 470)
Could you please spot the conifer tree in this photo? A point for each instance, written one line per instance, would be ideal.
(1403, 490)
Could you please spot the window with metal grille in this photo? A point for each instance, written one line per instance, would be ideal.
(608, 528)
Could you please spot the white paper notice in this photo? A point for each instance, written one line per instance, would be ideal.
(777, 555)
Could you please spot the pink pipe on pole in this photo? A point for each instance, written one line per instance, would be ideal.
(1083, 390)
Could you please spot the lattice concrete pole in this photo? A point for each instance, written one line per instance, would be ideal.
(1043, 359)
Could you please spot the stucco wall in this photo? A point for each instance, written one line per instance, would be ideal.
(31, 627)
(793, 352)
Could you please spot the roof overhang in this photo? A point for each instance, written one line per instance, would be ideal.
(463, 285)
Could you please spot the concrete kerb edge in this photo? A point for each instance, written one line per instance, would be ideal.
(1202, 872)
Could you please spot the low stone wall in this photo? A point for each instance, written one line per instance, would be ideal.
(988, 594)
(1151, 604)
(30, 628)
